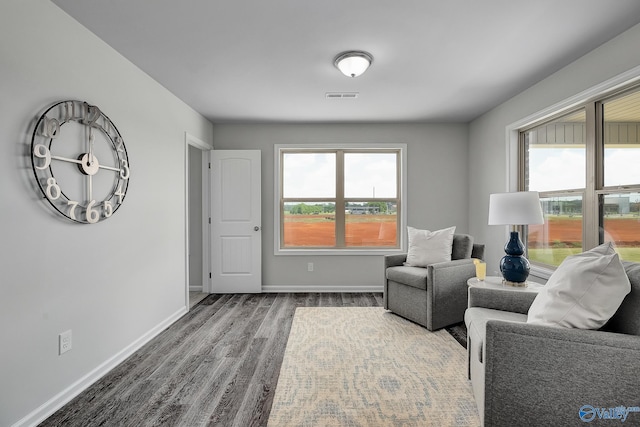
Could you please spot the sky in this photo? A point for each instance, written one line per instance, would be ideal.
(558, 169)
(312, 175)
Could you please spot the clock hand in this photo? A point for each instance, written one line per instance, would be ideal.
(64, 159)
(109, 168)
(90, 163)
(91, 138)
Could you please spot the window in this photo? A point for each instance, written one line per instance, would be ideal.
(586, 166)
(346, 198)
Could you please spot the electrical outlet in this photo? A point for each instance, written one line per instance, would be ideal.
(64, 342)
(309, 266)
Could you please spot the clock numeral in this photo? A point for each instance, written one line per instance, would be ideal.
(108, 209)
(50, 127)
(124, 171)
(42, 152)
(72, 210)
(119, 193)
(106, 125)
(69, 111)
(93, 215)
(53, 189)
(92, 114)
(119, 144)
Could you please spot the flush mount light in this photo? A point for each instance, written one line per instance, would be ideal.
(353, 63)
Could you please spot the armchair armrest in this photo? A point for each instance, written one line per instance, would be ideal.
(539, 375)
(497, 299)
(447, 291)
(394, 260)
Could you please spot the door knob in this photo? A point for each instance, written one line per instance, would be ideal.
(256, 228)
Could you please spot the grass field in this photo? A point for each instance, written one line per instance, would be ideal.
(561, 236)
(554, 256)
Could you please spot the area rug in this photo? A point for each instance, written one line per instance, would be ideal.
(364, 366)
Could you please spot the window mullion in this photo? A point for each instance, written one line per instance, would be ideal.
(591, 215)
(340, 204)
(399, 200)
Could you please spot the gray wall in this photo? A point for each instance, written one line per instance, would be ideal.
(195, 218)
(437, 192)
(114, 283)
(487, 140)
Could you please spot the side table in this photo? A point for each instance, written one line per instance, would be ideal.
(495, 282)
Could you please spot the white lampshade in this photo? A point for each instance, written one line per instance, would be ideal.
(353, 63)
(520, 208)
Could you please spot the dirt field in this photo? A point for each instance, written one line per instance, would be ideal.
(380, 230)
(361, 230)
(564, 231)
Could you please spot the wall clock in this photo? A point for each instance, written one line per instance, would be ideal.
(80, 161)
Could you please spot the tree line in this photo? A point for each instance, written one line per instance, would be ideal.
(305, 209)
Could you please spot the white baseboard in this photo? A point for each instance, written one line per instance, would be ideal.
(320, 288)
(195, 288)
(65, 396)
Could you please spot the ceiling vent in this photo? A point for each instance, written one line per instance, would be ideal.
(341, 95)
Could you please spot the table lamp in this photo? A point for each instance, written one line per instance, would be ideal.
(519, 208)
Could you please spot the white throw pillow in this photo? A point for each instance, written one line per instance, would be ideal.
(429, 247)
(584, 292)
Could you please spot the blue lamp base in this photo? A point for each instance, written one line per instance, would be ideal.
(513, 266)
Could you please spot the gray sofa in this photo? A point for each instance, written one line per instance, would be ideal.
(532, 375)
(436, 296)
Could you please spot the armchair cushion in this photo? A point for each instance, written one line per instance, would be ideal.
(476, 320)
(410, 276)
(584, 291)
(464, 248)
(429, 247)
(626, 319)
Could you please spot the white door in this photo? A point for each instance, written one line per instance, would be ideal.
(236, 229)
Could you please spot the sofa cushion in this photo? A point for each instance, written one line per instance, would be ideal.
(429, 247)
(476, 318)
(411, 276)
(584, 292)
(626, 320)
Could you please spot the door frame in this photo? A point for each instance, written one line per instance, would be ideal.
(190, 140)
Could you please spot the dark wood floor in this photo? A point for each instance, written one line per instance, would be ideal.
(216, 366)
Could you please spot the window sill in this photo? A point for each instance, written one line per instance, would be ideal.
(340, 252)
(541, 272)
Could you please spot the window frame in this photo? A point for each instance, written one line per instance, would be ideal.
(401, 217)
(592, 209)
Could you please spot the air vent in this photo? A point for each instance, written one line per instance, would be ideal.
(341, 95)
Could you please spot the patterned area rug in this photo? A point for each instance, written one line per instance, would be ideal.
(364, 366)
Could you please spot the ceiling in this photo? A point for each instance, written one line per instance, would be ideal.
(272, 61)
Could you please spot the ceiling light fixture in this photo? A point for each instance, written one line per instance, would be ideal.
(353, 63)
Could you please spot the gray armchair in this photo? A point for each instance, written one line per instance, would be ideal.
(436, 296)
(533, 375)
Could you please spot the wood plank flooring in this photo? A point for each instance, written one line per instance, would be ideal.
(216, 366)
